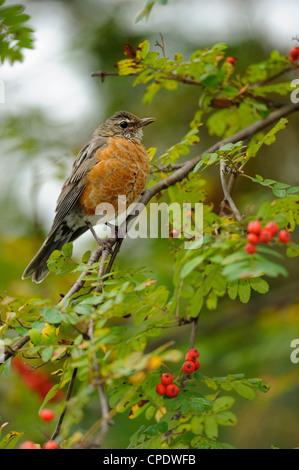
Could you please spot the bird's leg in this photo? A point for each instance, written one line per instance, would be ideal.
(99, 242)
(113, 228)
(104, 244)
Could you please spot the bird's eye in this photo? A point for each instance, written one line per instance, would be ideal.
(123, 124)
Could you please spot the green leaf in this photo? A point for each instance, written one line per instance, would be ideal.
(211, 426)
(190, 266)
(46, 353)
(223, 403)
(226, 418)
(243, 390)
(244, 290)
(51, 394)
(259, 285)
(35, 336)
(67, 250)
(232, 289)
(52, 315)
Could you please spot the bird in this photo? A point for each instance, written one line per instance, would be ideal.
(113, 163)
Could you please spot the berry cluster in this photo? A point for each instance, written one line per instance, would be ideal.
(46, 415)
(166, 386)
(257, 234)
(31, 445)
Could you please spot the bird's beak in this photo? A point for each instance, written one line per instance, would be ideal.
(146, 121)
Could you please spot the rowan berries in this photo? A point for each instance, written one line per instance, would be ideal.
(253, 238)
(190, 356)
(172, 390)
(231, 60)
(294, 54)
(51, 445)
(161, 389)
(254, 227)
(188, 367)
(284, 236)
(166, 378)
(250, 248)
(273, 227)
(47, 415)
(29, 445)
(265, 236)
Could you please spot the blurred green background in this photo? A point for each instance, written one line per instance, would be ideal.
(53, 105)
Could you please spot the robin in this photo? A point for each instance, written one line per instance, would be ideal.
(113, 163)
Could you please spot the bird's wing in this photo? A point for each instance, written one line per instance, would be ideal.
(74, 185)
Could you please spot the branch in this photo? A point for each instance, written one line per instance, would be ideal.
(67, 399)
(226, 191)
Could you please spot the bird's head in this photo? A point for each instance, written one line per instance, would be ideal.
(124, 124)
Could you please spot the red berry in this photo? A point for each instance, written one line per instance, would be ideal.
(166, 379)
(172, 390)
(190, 356)
(253, 238)
(294, 54)
(194, 351)
(28, 445)
(196, 364)
(284, 236)
(254, 227)
(188, 367)
(161, 389)
(51, 445)
(47, 415)
(231, 60)
(265, 236)
(250, 248)
(272, 227)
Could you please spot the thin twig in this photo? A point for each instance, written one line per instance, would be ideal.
(67, 398)
(227, 196)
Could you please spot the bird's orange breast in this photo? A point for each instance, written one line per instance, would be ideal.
(122, 170)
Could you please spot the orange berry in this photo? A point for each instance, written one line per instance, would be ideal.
(265, 236)
(47, 415)
(284, 236)
(166, 378)
(28, 445)
(250, 248)
(172, 390)
(161, 389)
(188, 367)
(254, 227)
(51, 445)
(273, 227)
(253, 238)
(231, 60)
(294, 54)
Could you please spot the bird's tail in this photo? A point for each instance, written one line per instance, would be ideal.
(38, 268)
